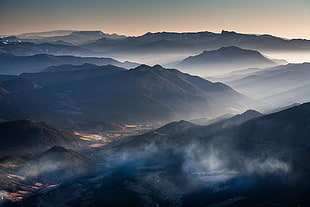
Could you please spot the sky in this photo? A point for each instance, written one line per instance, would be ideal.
(284, 18)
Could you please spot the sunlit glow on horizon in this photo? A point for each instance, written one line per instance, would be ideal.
(287, 18)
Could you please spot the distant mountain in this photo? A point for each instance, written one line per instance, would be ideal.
(28, 48)
(196, 41)
(82, 37)
(240, 118)
(234, 75)
(229, 119)
(33, 35)
(56, 76)
(71, 37)
(70, 67)
(226, 59)
(27, 137)
(111, 93)
(11, 64)
(275, 87)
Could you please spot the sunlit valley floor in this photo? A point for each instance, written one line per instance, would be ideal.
(80, 129)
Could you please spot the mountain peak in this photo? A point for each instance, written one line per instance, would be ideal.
(158, 67)
(56, 149)
(142, 67)
(252, 112)
(224, 32)
(231, 48)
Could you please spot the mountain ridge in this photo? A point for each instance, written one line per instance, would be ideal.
(144, 93)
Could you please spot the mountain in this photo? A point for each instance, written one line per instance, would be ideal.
(7, 77)
(234, 120)
(241, 161)
(11, 64)
(21, 176)
(34, 35)
(110, 93)
(234, 75)
(57, 164)
(69, 37)
(257, 136)
(225, 59)
(196, 41)
(260, 162)
(70, 67)
(28, 48)
(24, 137)
(275, 87)
(82, 37)
(18, 85)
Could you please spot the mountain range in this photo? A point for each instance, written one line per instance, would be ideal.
(74, 38)
(259, 162)
(274, 87)
(196, 41)
(111, 93)
(152, 43)
(29, 48)
(11, 64)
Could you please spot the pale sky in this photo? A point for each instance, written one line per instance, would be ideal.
(284, 18)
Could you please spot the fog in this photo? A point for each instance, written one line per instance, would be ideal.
(169, 60)
(199, 163)
(291, 57)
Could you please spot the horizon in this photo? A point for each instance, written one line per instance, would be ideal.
(286, 19)
(153, 32)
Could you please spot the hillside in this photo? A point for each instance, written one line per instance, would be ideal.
(24, 137)
(110, 93)
(14, 65)
(183, 164)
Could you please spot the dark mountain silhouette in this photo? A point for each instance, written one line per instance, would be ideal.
(7, 77)
(261, 162)
(258, 136)
(197, 41)
(18, 85)
(227, 59)
(57, 164)
(66, 74)
(70, 67)
(11, 64)
(110, 93)
(24, 137)
(237, 119)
